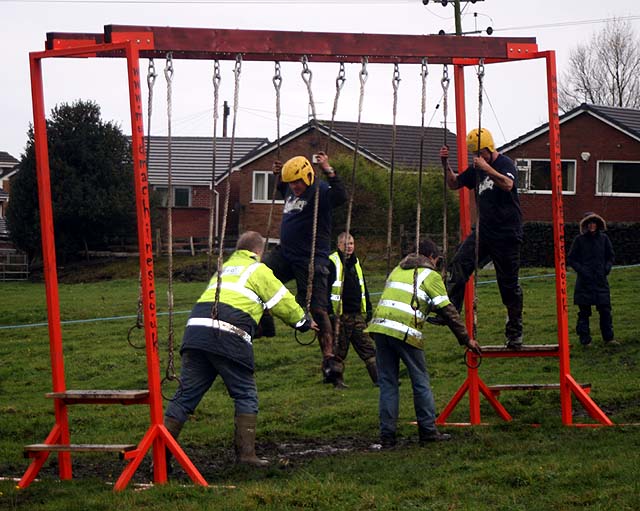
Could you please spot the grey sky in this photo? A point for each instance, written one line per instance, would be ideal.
(516, 91)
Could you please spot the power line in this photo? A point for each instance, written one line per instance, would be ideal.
(569, 23)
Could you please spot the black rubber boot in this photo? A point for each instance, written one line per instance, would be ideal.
(245, 441)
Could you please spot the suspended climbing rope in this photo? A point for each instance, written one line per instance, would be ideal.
(212, 194)
(307, 77)
(277, 85)
(445, 81)
(477, 176)
(151, 80)
(236, 94)
(395, 82)
(170, 373)
(364, 74)
(415, 302)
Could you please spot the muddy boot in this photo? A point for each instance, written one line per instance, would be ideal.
(175, 427)
(426, 436)
(245, 440)
(372, 369)
(513, 328)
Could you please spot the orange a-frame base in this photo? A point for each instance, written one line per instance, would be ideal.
(133, 43)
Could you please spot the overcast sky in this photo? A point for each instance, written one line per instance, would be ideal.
(516, 92)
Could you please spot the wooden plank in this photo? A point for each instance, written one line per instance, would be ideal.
(525, 348)
(531, 386)
(78, 448)
(125, 397)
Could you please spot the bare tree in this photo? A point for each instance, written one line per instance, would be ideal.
(605, 71)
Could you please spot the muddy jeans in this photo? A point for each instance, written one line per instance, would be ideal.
(352, 327)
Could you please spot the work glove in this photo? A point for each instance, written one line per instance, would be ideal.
(307, 325)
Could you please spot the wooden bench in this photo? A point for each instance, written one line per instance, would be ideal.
(496, 389)
(124, 397)
(527, 350)
(31, 450)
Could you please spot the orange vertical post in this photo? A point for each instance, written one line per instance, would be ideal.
(60, 432)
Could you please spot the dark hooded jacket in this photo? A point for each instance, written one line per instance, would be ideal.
(591, 256)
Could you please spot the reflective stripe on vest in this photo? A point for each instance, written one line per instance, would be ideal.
(220, 325)
(396, 325)
(336, 287)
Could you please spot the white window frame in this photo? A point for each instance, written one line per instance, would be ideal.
(612, 194)
(162, 188)
(266, 192)
(526, 170)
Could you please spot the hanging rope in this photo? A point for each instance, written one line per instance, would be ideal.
(340, 79)
(170, 374)
(445, 164)
(212, 190)
(307, 76)
(236, 93)
(151, 80)
(415, 302)
(477, 247)
(277, 83)
(364, 74)
(395, 82)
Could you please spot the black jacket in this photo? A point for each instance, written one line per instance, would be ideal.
(591, 256)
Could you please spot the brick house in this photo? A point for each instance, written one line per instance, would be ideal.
(8, 167)
(192, 165)
(252, 180)
(600, 151)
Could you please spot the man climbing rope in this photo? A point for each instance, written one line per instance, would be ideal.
(224, 346)
(351, 307)
(500, 229)
(291, 258)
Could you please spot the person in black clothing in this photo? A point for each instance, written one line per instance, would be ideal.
(500, 229)
(290, 259)
(351, 308)
(591, 256)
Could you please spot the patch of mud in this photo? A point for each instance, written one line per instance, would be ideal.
(216, 464)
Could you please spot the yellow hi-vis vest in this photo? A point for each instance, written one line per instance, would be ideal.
(394, 315)
(250, 286)
(336, 287)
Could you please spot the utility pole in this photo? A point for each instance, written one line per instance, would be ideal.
(456, 8)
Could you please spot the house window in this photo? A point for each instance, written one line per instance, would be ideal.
(534, 176)
(263, 187)
(181, 196)
(618, 178)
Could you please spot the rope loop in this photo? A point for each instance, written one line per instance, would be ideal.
(168, 70)
(466, 359)
(364, 73)
(341, 78)
(151, 74)
(396, 77)
(277, 77)
(301, 343)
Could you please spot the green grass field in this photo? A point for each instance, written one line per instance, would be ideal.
(319, 439)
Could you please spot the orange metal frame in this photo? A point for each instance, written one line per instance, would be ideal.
(134, 43)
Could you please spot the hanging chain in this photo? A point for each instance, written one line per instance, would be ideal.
(212, 187)
(340, 79)
(277, 84)
(445, 81)
(477, 176)
(168, 74)
(395, 82)
(151, 80)
(424, 72)
(236, 93)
